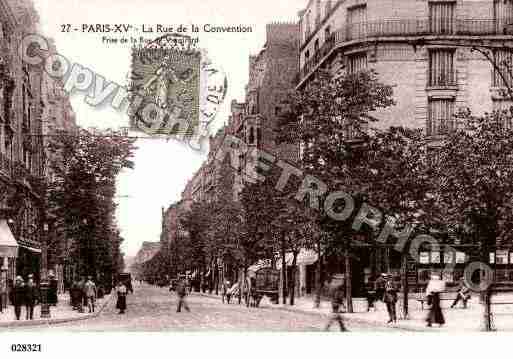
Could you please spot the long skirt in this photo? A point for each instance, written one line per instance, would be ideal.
(121, 303)
(435, 314)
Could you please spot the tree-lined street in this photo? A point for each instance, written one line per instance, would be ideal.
(154, 309)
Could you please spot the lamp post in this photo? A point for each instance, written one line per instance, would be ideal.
(45, 285)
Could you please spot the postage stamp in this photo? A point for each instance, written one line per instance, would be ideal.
(178, 89)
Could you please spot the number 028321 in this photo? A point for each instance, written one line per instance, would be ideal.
(25, 347)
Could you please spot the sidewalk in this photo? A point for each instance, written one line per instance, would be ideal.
(457, 319)
(60, 313)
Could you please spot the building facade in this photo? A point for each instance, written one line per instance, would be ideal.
(425, 49)
(21, 146)
(271, 74)
(32, 105)
(440, 56)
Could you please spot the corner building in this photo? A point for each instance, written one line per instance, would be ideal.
(422, 47)
(434, 53)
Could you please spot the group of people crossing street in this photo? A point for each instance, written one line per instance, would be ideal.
(84, 293)
(386, 291)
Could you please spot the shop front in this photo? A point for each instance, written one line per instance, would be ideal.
(305, 266)
(28, 261)
(8, 253)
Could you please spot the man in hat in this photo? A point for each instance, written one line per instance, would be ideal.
(181, 292)
(30, 297)
(390, 299)
(53, 288)
(18, 296)
(90, 292)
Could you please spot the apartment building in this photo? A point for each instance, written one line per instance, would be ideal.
(438, 55)
(31, 106)
(21, 148)
(430, 50)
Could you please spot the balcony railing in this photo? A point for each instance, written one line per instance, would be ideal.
(404, 28)
(440, 127)
(443, 80)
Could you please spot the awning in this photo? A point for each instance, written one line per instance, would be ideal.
(32, 249)
(8, 245)
(304, 257)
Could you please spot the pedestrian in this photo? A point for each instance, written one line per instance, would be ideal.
(100, 291)
(379, 287)
(3, 293)
(337, 294)
(91, 294)
(390, 299)
(224, 291)
(81, 297)
(75, 294)
(121, 292)
(434, 288)
(463, 294)
(181, 293)
(52, 290)
(30, 297)
(18, 296)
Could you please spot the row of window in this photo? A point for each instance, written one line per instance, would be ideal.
(437, 257)
(254, 136)
(320, 6)
(27, 113)
(441, 17)
(441, 73)
(441, 68)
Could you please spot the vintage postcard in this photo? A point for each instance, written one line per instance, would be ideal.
(237, 166)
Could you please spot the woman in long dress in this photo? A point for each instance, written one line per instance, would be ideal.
(121, 303)
(434, 287)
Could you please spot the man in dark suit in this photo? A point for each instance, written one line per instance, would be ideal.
(30, 297)
(18, 296)
(181, 292)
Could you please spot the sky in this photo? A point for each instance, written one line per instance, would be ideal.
(162, 168)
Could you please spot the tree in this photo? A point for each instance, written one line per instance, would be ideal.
(329, 118)
(81, 195)
(259, 209)
(199, 248)
(471, 173)
(394, 179)
(301, 228)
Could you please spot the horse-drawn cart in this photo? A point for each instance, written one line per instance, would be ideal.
(265, 282)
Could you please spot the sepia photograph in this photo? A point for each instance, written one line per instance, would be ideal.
(294, 166)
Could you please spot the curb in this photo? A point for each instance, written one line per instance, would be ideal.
(378, 325)
(40, 322)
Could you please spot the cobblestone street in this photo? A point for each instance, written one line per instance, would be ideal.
(154, 309)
